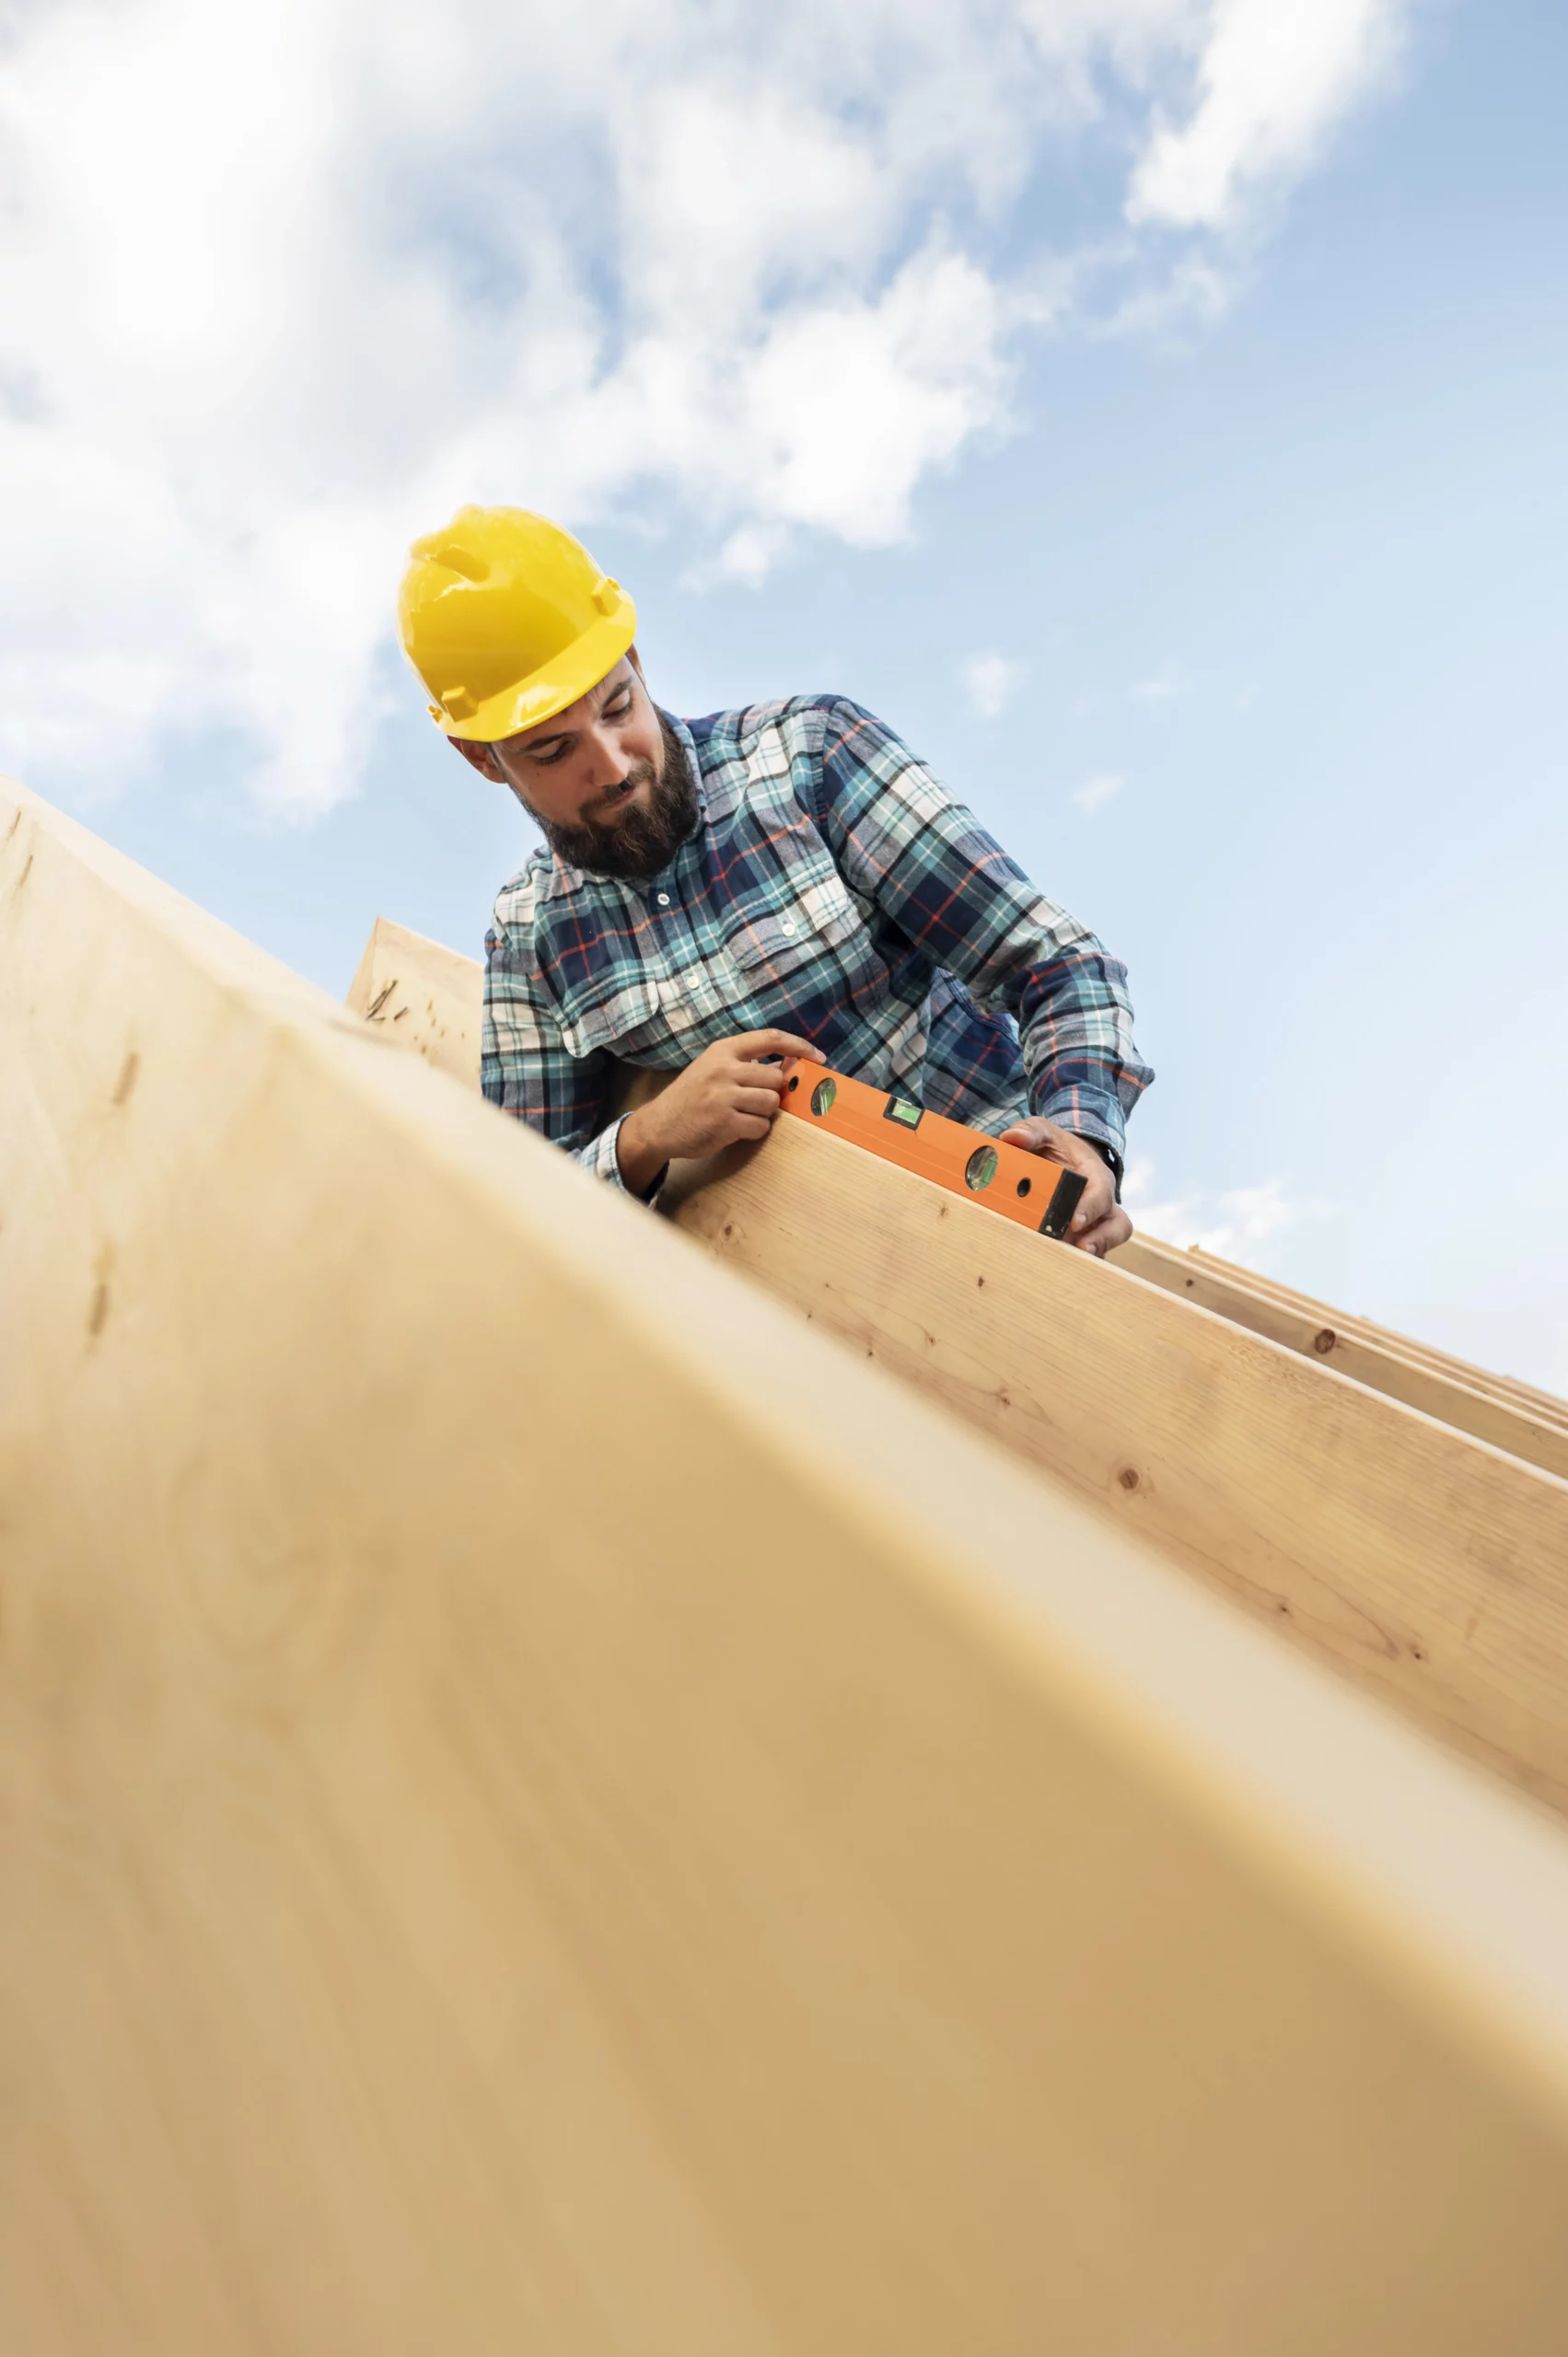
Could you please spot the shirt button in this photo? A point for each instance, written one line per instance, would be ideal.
(664, 899)
(788, 927)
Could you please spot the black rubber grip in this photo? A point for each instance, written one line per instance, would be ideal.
(1063, 1203)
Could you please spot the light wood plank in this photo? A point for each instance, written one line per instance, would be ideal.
(548, 1809)
(1318, 1333)
(1164, 1264)
(1407, 1654)
(423, 996)
(1511, 1416)
(1388, 1638)
(1429, 1566)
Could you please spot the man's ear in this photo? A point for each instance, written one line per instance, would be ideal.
(479, 757)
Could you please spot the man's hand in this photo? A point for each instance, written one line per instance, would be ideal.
(1100, 1223)
(727, 1095)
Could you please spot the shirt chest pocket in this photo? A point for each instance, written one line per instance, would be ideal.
(806, 933)
(613, 1010)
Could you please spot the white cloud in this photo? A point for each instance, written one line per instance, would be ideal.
(279, 289)
(1274, 76)
(1233, 1224)
(1095, 792)
(989, 682)
(1170, 678)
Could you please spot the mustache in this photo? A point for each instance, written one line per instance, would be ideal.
(639, 775)
(631, 848)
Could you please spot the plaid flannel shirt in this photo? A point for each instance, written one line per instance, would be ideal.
(832, 888)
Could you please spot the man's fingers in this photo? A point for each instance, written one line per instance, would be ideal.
(1038, 1135)
(747, 1080)
(752, 1045)
(1105, 1235)
(1096, 1202)
(762, 1102)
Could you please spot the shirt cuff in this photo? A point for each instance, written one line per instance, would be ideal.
(1093, 1116)
(601, 1155)
(602, 1158)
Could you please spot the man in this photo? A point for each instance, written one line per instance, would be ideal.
(717, 894)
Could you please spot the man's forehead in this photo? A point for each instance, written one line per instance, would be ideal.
(574, 714)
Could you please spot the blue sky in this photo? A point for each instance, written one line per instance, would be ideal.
(1184, 478)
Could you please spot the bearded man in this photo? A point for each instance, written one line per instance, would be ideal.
(716, 894)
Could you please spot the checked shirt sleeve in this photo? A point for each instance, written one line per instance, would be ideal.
(933, 872)
(525, 1068)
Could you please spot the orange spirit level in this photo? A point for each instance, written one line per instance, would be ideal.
(1022, 1187)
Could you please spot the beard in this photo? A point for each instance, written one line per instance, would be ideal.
(631, 849)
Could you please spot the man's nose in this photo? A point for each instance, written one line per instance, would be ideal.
(609, 762)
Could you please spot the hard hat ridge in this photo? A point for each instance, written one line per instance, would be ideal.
(449, 549)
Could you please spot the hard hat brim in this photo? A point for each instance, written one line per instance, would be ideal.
(552, 688)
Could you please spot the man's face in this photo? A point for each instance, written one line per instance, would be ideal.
(607, 783)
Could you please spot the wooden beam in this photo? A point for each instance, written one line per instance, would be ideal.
(547, 1808)
(1503, 1387)
(1439, 1387)
(1427, 1565)
(1436, 1632)
(422, 996)
(1532, 1423)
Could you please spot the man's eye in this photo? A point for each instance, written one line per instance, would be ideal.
(619, 706)
(549, 760)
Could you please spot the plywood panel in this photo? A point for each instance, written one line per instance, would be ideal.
(547, 1808)
(1428, 1565)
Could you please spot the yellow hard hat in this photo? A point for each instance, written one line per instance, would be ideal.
(507, 619)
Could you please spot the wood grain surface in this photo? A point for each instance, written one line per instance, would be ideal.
(547, 1808)
(1533, 1426)
(1431, 1567)
(438, 982)
(1549, 1404)
(426, 995)
(422, 996)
